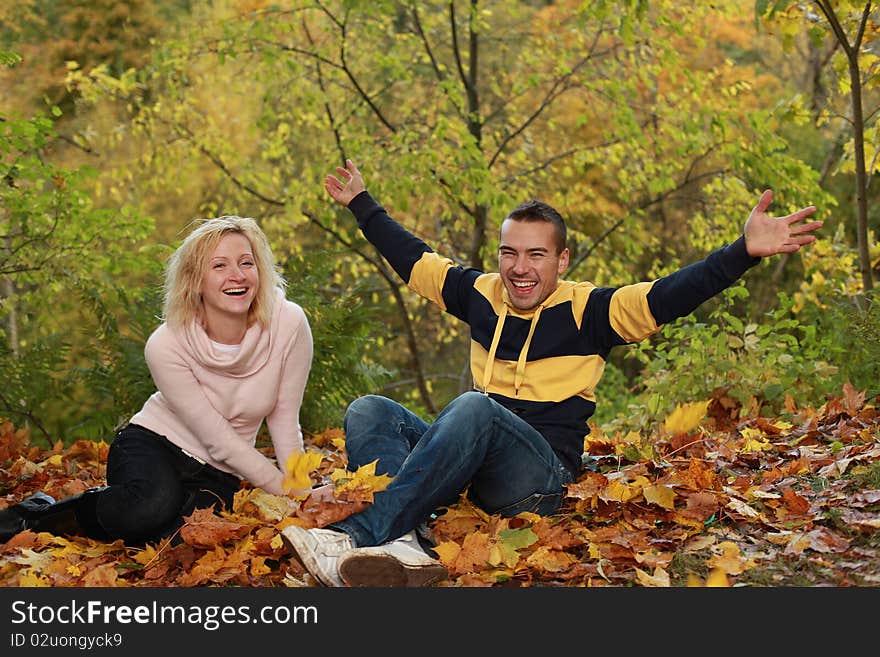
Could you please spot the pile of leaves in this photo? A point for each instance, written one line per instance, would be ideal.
(709, 498)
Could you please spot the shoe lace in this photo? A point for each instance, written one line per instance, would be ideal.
(333, 544)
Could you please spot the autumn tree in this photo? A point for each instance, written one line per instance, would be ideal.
(845, 33)
(58, 250)
(629, 118)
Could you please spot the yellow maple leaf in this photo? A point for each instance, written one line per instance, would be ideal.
(501, 553)
(659, 578)
(364, 477)
(259, 567)
(756, 441)
(54, 461)
(297, 469)
(730, 560)
(660, 495)
(447, 552)
(717, 578)
(685, 417)
(551, 561)
(145, 556)
(267, 507)
(621, 490)
(30, 578)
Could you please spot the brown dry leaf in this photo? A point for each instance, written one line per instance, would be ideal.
(699, 475)
(204, 529)
(821, 540)
(103, 575)
(795, 504)
(587, 487)
(861, 519)
(322, 513)
(853, 400)
(473, 555)
(459, 521)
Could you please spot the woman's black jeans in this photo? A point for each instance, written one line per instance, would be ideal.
(152, 484)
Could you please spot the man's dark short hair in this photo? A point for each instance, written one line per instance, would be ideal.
(534, 210)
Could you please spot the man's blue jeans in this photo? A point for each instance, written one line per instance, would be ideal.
(474, 442)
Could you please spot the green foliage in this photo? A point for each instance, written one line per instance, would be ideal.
(113, 380)
(30, 384)
(757, 364)
(55, 238)
(850, 326)
(342, 328)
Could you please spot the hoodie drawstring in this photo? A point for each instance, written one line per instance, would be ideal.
(496, 338)
(521, 361)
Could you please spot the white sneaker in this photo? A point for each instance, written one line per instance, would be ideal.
(319, 551)
(401, 562)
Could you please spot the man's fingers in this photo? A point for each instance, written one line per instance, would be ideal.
(806, 228)
(803, 213)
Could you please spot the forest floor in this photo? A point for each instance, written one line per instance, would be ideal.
(709, 498)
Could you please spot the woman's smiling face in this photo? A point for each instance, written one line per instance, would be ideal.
(231, 279)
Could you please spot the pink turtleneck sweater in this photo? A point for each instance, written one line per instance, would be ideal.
(212, 403)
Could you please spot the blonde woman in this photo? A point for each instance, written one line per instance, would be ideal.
(231, 352)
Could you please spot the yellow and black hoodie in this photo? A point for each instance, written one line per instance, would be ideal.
(544, 364)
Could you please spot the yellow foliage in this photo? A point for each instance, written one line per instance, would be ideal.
(660, 495)
(755, 441)
(364, 478)
(298, 467)
(447, 551)
(730, 560)
(502, 554)
(259, 567)
(685, 418)
(621, 490)
(552, 561)
(717, 578)
(660, 577)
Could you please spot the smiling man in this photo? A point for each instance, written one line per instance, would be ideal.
(538, 349)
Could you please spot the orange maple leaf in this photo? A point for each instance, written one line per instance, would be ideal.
(205, 529)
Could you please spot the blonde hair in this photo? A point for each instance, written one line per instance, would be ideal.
(187, 265)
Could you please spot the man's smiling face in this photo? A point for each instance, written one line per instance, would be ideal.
(528, 261)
